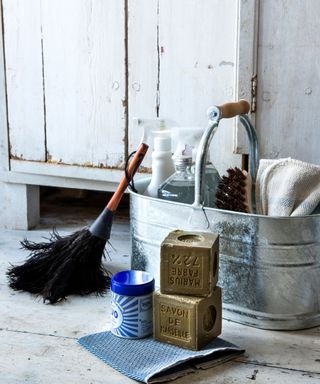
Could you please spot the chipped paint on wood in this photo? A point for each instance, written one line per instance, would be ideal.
(85, 81)
(119, 166)
(142, 68)
(288, 75)
(246, 63)
(73, 108)
(196, 69)
(66, 94)
(22, 48)
(223, 62)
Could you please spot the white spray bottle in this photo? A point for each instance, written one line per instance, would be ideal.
(162, 163)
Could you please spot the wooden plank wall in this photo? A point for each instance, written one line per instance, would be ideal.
(190, 65)
(142, 67)
(288, 77)
(198, 65)
(22, 34)
(81, 70)
(84, 73)
(66, 80)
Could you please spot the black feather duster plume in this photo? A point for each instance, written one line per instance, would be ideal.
(72, 264)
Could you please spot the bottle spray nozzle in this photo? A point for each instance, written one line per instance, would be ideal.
(186, 140)
(150, 126)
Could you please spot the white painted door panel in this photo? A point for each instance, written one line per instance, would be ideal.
(246, 68)
(195, 45)
(23, 54)
(288, 115)
(66, 81)
(197, 66)
(142, 67)
(84, 67)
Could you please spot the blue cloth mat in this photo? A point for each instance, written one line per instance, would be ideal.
(150, 361)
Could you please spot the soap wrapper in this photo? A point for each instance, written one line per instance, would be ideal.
(151, 361)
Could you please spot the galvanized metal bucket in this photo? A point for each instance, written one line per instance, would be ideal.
(269, 266)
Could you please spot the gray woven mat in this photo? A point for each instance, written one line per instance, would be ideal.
(150, 361)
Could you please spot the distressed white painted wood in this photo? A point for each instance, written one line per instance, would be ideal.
(197, 66)
(63, 182)
(246, 64)
(288, 76)
(4, 149)
(22, 37)
(54, 359)
(19, 203)
(38, 343)
(60, 170)
(142, 67)
(19, 206)
(85, 79)
(84, 68)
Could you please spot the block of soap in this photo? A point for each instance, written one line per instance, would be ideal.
(189, 263)
(186, 321)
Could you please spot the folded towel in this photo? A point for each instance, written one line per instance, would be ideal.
(150, 361)
(287, 187)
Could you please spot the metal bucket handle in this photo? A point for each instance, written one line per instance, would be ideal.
(215, 114)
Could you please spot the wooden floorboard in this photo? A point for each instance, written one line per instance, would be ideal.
(38, 342)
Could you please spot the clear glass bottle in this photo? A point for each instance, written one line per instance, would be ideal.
(188, 139)
(179, 187)
(212, 180)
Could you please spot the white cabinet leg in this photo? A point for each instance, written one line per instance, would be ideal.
(19, 206)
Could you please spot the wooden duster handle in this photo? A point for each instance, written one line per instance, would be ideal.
(234, 109)
(132, 168)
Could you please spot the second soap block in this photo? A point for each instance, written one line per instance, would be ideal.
(189, 263)
(187, 321)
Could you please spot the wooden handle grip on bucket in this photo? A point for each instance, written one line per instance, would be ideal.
(132, 168)
(229, 110)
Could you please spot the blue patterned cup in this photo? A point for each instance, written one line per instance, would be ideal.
(131, 301)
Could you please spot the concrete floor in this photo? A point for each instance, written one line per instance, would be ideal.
(38, 343)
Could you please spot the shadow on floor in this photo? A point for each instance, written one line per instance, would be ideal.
(75, 207)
